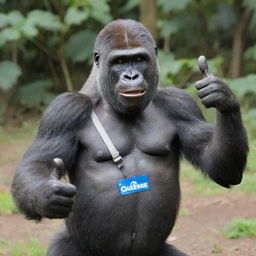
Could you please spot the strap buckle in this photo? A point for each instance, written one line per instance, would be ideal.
(118, 160)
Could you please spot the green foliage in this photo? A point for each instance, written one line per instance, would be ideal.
(7, 205)
(249, 182)
(168, 5)
(45, 20)
(241, 228)
(31, 248)
(179, 72)
(99, 10)
(250, 120)
(250, 4)
(13, 134)
(129, 5)
(224, 18)
(9, 74)
(75, 16)
(15, 26)
(203, 185)
(75, 48)
(216, 249)
(35, 94)
(243, 86)
(184, 212)
(9, 34)
(250, 53)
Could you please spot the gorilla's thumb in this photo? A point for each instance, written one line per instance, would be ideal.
(203, 66)
(58, 168)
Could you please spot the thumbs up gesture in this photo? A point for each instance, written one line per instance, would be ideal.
(212, 91)
(54, 198)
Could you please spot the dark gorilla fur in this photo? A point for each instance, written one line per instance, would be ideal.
(151, 128)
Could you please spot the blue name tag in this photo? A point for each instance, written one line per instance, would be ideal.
(133, 185)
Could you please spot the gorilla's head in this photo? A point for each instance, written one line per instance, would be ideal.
(127, 68)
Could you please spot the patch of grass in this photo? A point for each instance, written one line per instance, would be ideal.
(251, 160)
(203, 185)
(216, 249)
(31, 248)
(249, 182)
(13, 133)
(7, 205)
(184, 212)
(241, 228)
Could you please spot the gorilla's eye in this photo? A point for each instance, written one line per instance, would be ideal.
(139, 58)
(119, 60)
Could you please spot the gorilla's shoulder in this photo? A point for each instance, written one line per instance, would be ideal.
(67, 111)
(173, 93)
(177, 102)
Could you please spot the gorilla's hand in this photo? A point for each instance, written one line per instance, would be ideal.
(53, 198)
(212, 91)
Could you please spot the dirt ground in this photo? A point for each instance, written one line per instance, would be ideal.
(199, 232)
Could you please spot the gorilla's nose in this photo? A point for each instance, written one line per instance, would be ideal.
(132, 78)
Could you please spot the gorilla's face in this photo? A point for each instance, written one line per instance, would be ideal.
(128, 73)
(129, 80)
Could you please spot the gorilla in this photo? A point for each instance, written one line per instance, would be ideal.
(120, 141)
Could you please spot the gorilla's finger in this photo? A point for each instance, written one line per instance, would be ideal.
(66, 190)
(57, 215)
(61, 200)
(203, 66)
(58, 209)
(204, 82)
(208, 89)
(212, 100)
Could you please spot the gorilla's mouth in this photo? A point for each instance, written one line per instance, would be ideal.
(133, 93)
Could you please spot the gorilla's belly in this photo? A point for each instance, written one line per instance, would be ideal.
(108, 223)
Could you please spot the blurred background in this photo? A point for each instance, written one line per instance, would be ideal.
(46, 49)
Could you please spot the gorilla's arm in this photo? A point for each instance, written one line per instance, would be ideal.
(219, 152)
(57, 137)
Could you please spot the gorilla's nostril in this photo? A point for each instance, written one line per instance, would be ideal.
(135, 77)
(127, 77)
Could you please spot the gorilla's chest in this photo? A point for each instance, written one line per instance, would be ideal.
(152, 134)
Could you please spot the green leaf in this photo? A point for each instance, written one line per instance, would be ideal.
(75, 16)
(241, 228)
(250, 53)
(173, 5)
(9, 34)
(169, 27)
(100, 11)
(29, 30)
(15, 18)
(9, 73)
(45, 20)
(79, 46)
(224, 18)
(243, 85)
(3, 20)
(251, 4)
(164, 61)
(35, 94)
(129, 5)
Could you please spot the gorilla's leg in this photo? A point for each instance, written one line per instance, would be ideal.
(63, 245)
(170, 250)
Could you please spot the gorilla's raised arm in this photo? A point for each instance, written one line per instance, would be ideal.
(56, 137)
(219, 152)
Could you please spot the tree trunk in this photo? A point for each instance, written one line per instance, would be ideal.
(243, 20)
(148, 16)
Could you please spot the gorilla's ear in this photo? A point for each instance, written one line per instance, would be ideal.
(156, 50)
(96, 58)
